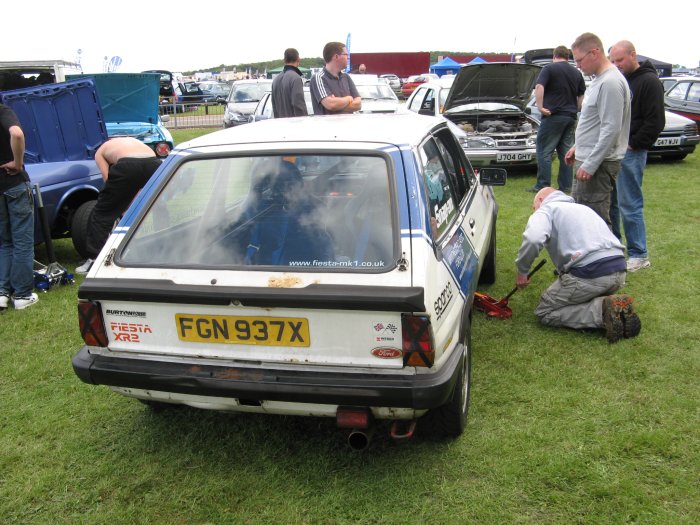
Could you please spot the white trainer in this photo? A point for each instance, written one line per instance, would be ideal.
(4, 301)
(637, 263)
(85, 267)
(25, 302)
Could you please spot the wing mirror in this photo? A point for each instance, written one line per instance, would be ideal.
(492, 176)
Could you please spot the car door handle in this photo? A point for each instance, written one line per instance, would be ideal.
(472, 223)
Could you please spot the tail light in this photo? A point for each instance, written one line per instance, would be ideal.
(418, 344)
(92, 325)
(162, 149)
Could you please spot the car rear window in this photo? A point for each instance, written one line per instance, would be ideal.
(311, 212)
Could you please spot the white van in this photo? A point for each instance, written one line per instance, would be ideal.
(30, 73)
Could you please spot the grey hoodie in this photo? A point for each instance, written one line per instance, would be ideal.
(573, 234)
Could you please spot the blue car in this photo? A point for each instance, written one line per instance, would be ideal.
(130, 106)
(63, 126)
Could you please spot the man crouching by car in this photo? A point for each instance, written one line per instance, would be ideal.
(126, 165)
(590, 264)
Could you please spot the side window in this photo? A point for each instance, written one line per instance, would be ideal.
(439, 188)
(428, 106)
(459, 171)
(267, 110)
(417, 100)
(679, 91)
(694, 92)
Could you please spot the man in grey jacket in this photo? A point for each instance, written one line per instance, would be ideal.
(602, 130)
(288, 88)
(590, 262)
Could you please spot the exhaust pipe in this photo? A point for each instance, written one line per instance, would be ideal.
(359, 439)
(361, 423)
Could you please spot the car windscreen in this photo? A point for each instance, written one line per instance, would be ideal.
(376, 92)
(308, 212)
(248, 92)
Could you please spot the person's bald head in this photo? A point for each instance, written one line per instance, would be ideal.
(624, 56)
(541, 196)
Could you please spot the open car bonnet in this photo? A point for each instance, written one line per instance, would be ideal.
(128, 97)
(504, 82)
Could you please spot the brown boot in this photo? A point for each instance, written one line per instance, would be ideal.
(612, 319)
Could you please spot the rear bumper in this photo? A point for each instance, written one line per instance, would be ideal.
(421, 391)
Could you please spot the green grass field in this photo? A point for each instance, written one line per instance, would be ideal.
(564, 428)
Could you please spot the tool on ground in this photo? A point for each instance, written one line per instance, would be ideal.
(500, 308)
(45, 276)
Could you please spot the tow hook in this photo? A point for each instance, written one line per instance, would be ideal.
(402, 430)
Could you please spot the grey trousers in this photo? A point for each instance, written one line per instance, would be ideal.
(577, 303)
(596, 193)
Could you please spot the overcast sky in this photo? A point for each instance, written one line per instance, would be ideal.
(176, 36)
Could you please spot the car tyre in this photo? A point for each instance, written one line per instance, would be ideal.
(79, 227)
(450, 419)
(488, 270)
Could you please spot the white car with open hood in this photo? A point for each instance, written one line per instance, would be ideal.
(318, 266)
(489, 102)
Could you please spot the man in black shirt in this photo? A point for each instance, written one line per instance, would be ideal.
(288, 88)
(16, 217)
(559, 94)
(647, 121)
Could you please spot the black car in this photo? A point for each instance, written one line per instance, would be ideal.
(191, 95)
(215, 92)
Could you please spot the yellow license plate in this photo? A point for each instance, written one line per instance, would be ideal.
(228, 329)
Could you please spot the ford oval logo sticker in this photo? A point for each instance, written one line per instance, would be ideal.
(384, 352)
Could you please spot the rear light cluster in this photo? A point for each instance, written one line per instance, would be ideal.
(92, 325)
(418, 344)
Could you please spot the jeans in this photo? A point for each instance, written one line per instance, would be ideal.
(628, 203)
(555, 133)
(575, 302)
(17, 241)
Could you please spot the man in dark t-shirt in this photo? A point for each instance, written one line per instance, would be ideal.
(16, 217)
(332, 90)
(559, 94)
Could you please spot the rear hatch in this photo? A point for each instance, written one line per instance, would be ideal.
(63, 126)
(262, 259)
(61, 122)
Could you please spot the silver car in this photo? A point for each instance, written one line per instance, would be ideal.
(243, 99)
(393, 80)
(377, 96)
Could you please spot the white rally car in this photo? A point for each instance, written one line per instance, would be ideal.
(319, 266)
